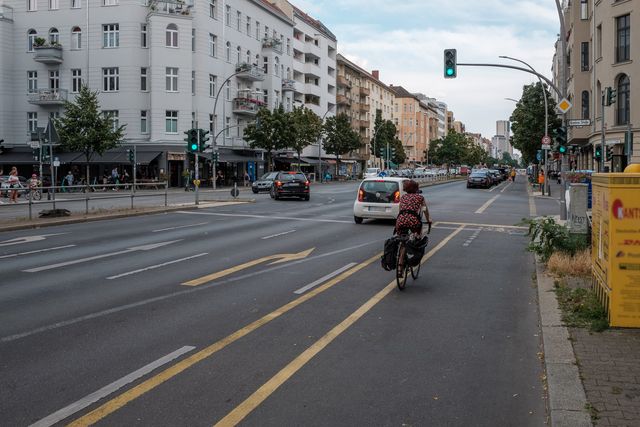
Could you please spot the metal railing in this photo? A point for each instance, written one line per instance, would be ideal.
(91, 193)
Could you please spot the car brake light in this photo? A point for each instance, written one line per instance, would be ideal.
(278, 184)
(396, 197)
(361, 195)
(306, 183)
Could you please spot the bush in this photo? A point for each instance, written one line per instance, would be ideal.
(547, 237)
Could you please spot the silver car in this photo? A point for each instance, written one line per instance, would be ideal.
(264, 183)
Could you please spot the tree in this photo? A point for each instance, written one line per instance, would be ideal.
(475, 155)
(270, 132)
(340, 138)
(84, 128)
(307, 128)
(451, 149)
(527, 121)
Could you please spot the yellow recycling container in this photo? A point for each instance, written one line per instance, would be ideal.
(615, 246)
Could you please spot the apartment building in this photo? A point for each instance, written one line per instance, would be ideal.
(360, 95)
(158, 67)
(600, 52)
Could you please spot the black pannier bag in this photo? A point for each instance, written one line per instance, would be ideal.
(390, 254)
(415, 250)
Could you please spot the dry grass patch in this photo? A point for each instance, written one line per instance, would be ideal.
(578, 265)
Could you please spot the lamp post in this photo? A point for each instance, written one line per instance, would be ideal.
(511, 99)
(320, 144)
(546, 122)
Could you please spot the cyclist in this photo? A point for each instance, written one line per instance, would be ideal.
(412, 204)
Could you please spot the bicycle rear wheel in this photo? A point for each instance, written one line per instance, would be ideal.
(37, 195)
(401, 268)
(415, 271)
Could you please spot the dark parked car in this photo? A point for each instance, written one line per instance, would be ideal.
(496, 176)
(290, 184)
(481, 179)
(264, 183)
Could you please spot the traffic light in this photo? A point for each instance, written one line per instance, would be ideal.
(598, 153)
(192, 140)
(1, 148)
(560, 137)
(609, 153)
(36, 154)
(610, 96)
(392, 152)
(215, 157)
(131, 156)
(204, 139)
(450, 63)
(382, 151)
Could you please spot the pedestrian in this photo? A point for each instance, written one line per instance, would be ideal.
(247, 179)
(220, 179)
(513, 175)
(14, 183)
(541, 179)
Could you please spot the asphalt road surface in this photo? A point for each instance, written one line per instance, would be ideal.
(274, 313)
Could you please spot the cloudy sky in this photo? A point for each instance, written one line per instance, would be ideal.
(404, 39)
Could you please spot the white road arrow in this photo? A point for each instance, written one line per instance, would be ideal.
(27, 239)
(95, 257)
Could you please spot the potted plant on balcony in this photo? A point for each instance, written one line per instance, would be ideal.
(39, 42)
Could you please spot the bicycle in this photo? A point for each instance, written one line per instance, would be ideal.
(33, 194)
(402, 263)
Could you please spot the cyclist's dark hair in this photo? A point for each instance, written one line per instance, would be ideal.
(410, 186)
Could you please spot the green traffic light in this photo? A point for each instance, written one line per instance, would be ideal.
(562, 149)
(194, 147)
(449, 71)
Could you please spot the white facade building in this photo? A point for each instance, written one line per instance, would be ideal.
(157, 65)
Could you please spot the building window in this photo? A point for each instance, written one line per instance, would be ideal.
(144, 121)
(109, 2)
(257, 30)
(248, 26)
(193, 120)
(623, 38)
(213, 11)
(114, 115)
(76, 80)
(31, 39)
(228, 15)
(584, 9)
(54, 80)
(171, 35)
(76, 38)
(143, 79)
(276, 68)
(265, 65)
(623, 114)
(238, 20)
(54, 4)
(32, 5)
(212, 44)
(32, 121)
(584, 56)
(585, 104)
(288, 46)
(599, 41)
(239, 55)
(211, 123)
(171, 82)
(171, 121)
(143, 36)
(110, 79)
(227, 127)
(75, 4)
(32, 81)
(54, 36)
(193, 82)
(110, 35)
(227, 91)
(193, 40)
(228, 51)
(212, 85)
(248, 57)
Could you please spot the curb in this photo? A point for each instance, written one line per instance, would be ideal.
(567, 398)
(121, 214)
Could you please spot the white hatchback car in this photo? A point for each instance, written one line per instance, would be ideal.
(372, 172)
(378, 198)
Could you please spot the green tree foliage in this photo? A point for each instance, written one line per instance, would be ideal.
(527, 121)
(307, 128)
(384, 132)
(340, 138)
(271, 131)
(84, 128)
(455, 148)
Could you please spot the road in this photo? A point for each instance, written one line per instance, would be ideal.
(273, 313)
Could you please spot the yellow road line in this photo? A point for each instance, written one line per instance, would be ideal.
(153, 382)
(245, 408)
(473, 224)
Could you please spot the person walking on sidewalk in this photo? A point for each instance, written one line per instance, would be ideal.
(513, 175)
(14, 183)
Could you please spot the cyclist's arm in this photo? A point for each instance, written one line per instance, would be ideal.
(427, 216)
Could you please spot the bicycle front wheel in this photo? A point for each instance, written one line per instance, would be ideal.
(36, 195)
(401, 268)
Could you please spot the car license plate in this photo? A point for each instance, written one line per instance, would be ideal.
(376, 209)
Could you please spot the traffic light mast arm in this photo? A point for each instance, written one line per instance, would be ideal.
(513, 67)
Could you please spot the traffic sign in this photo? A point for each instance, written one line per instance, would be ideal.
(546, 146)
(564, 105)
(613, 142)
(580, 122)
(35, 144)
(546, 140)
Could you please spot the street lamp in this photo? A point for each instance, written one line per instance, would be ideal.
(546, 121)
(320, 143)
(511, 99)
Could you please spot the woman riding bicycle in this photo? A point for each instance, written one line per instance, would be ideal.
(412, 204)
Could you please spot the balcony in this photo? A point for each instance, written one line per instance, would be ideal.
(343, 82)
(246, 106)
(364, 91)
(363, 124)
(365, 108)
(343, 100)
(6, 12)
(271, 43)
(288, 85)
(249, 72)
(50, 55)
(48, 97)
(171, 7)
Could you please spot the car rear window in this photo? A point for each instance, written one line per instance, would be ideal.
(379, 191)
(478, 174)
(292, 177)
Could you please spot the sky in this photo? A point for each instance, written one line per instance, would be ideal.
(405, 39)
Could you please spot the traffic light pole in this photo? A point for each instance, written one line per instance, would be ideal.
(602, 138)
(135, 164)
(197, 166)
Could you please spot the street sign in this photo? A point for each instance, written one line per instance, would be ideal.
(564, 105)
(580, 122)
(546, 146)
(546, 140)
(613, 142)
(34, 144)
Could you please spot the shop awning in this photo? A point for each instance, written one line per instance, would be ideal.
(230, 156)
(16, 157)
(313, 161)
(292, 161)
(146, 157)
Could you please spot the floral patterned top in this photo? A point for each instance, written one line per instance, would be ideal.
(407, 221)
